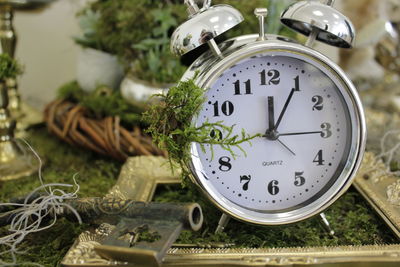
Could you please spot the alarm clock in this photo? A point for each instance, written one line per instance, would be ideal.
(304, 106)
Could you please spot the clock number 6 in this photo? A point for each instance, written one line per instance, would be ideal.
(227, 108)
(273, 188)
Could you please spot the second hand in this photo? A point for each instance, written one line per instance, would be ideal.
(294, 154)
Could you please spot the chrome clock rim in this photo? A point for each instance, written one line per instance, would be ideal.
(354, 158)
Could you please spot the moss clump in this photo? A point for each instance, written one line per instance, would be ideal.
(49, 247)
(104, 102)
(171, 127)
(96, 175)
(9, 68)
(352, 219)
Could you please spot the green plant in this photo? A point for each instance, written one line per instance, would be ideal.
(170, 124)
(138, 32)
(104, 102)
(156, 62)
(9, 67)
(88, 22)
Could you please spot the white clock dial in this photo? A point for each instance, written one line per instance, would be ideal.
(303, 112)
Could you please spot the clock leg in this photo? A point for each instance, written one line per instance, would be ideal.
(223, 221)
(326, 224)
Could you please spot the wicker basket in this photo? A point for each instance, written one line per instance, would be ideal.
(69, 121)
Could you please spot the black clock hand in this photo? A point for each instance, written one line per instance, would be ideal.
(300, 133)
(286, 147)
(271, 133)
(271, 116)
(284, 108)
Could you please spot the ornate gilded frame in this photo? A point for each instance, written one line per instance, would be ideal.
(373, 181)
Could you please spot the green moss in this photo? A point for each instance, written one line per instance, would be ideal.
(47, 248)
(9, 68)
(351, 217)
(149, 236)
(104, 102)
(170, 125)
(96, 175)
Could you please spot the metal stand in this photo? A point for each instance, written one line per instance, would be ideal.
(14, 161)
(8, 41)
(21, 112)
(325, 223)
(223, 222)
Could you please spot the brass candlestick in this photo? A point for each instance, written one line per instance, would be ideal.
(8, 42)
(14, 161)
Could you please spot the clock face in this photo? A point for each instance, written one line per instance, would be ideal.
(308, 123)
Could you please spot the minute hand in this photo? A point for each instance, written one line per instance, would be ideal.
(300, 133)
(284, 108)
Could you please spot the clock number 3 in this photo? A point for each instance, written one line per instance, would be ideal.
(273, 188)
(227, 108)
(326, 130)
(246, 179)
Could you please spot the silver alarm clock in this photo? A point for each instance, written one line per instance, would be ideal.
(306, 108)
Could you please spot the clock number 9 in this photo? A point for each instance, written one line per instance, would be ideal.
(216, 134)
(318, 100)
(227, 108)
(224, 164)
(274, 74)
(326, 130)
(273, 188)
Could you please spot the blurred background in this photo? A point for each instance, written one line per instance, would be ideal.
(47, 50)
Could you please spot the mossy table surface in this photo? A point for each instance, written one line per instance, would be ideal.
(353, 220)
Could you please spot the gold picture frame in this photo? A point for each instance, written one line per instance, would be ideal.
(373, 181)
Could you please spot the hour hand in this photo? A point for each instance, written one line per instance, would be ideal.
(271, 115)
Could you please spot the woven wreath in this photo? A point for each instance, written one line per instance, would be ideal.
(106, 136)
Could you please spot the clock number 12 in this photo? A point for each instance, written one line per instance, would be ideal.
(274, 80)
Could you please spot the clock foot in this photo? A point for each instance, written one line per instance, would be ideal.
(223, 221)
(326, 224)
